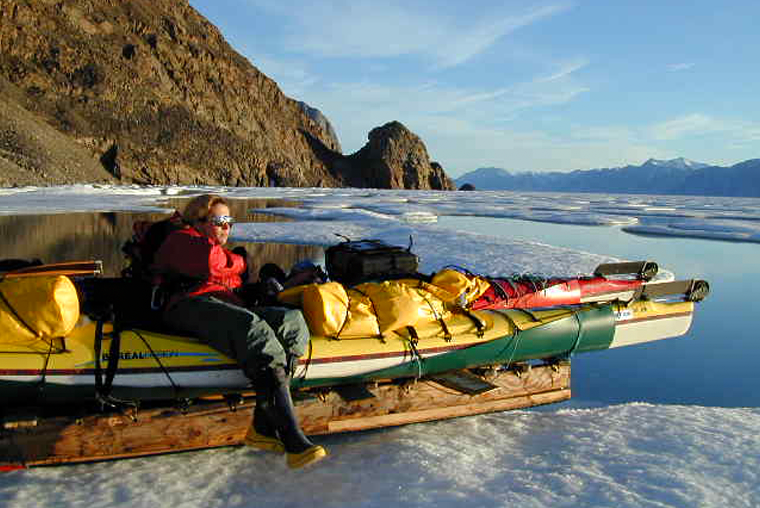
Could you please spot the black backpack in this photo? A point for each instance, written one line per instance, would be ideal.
(354, 262)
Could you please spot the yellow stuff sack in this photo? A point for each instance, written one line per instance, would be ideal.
(37, 308)
(366, 310)
(326, 309)
(465, 288)
(399, 304)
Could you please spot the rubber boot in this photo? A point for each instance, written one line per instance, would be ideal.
(300, 451)
(262, 433)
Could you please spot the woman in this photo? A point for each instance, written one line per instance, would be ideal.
(266, 341)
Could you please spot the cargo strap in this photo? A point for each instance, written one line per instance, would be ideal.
(414, 339)
(478, 323)
(348, 313)
(103, 387)
(500, 290)
(446, 333)
(43, 378)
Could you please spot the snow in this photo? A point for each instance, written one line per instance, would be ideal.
(631, 455)
(680, 163)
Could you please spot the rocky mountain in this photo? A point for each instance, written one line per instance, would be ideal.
(676, 176)
(392, 160)
(148, 91)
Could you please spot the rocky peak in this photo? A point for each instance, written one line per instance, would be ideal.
(396, 158)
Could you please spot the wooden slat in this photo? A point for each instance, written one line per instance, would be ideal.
(426, 415)
(209, 424)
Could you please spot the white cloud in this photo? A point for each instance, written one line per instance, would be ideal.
(435, 31)
(699, 124)
(461, 43)
(680, 66)
(688, 125)
(565, 70)
(355, 108)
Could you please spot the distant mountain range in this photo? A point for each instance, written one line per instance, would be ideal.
(675, 176)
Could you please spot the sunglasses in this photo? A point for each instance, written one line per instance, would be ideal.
(221, 220)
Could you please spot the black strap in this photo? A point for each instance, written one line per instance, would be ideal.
(476, 320)
(414, 339)
(103, 387)
(446, 332)
(41, 385)
(530, 314)
(498, 289)
(374, 313)
(345, 319)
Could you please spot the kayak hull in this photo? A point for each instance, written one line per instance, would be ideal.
(153, 365)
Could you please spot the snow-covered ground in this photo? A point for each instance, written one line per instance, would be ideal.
(636, 455)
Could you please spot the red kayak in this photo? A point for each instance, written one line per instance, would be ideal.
(525, 292)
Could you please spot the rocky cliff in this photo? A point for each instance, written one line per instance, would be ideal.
(148, 91)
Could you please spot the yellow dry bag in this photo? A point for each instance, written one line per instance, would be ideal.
(37, 308)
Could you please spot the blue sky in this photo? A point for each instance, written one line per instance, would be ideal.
(521, 85)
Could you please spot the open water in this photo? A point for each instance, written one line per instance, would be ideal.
(716, 364)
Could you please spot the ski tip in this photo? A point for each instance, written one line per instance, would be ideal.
(699, 290)
(643, 270)
(649, 270)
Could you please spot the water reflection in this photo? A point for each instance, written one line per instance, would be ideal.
(714, 364)
(82, 236)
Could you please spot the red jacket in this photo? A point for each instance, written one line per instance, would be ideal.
(188, 252)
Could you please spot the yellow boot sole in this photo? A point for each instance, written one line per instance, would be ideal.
(261, 442)
(307, 457)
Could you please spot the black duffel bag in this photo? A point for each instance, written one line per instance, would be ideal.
(354, 262)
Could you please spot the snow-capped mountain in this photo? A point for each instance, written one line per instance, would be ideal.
(680, 163)
(655, 176)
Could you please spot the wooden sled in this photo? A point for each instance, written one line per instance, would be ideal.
(31, 439)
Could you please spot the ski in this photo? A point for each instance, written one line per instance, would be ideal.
(693, 290)
(645, 270)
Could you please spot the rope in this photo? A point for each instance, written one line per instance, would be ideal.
(175, 388)
(577, 337)
(516, 338)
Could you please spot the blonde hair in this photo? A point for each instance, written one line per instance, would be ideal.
(199, 208)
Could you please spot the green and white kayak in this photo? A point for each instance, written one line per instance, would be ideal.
(143, 364)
